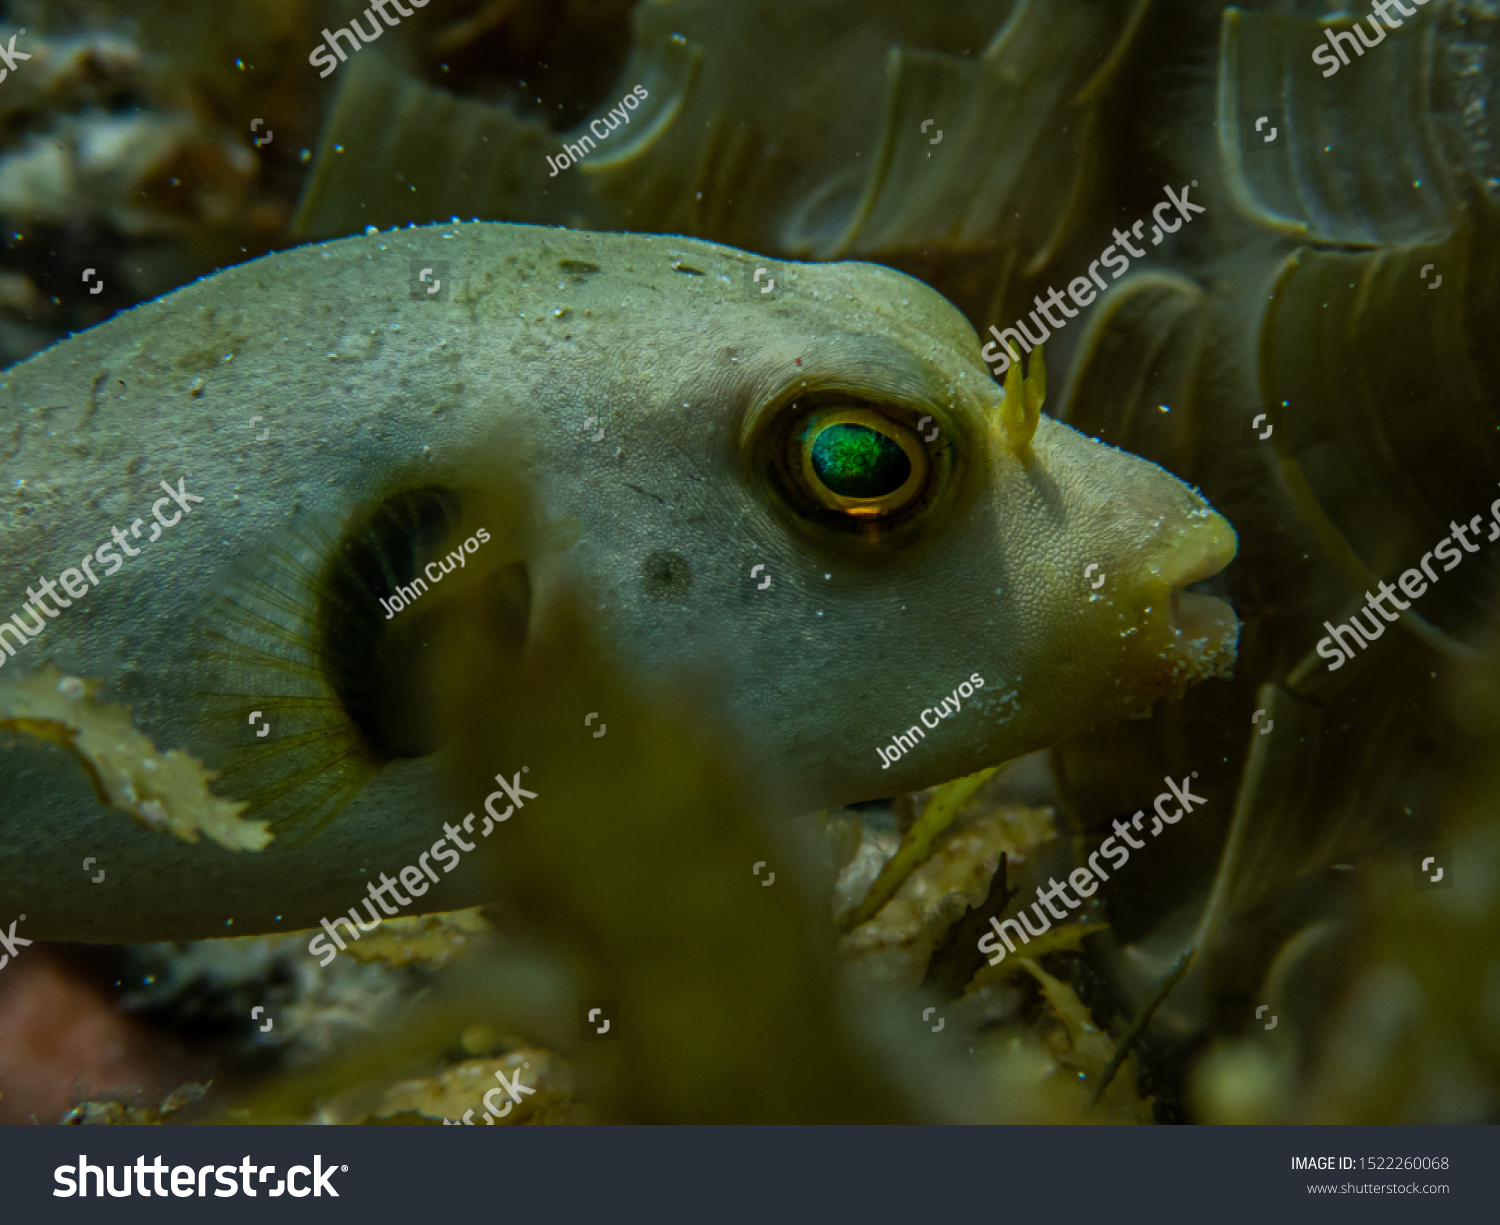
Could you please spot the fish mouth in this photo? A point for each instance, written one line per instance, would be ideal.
(1204, 629)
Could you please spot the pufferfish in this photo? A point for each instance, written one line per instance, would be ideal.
(804, 486)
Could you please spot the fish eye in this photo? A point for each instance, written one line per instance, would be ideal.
(853, 472)
(843, 462)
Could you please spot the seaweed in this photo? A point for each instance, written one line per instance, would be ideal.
(163, 791)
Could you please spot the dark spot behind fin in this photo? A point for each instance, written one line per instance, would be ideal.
(308, 627)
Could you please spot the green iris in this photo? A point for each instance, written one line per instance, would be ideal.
(855, 461)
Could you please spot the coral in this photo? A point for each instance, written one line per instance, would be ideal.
(896, 943)
(110, 1110)
(461, 1093)
(433, 939)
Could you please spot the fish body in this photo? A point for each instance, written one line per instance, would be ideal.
(702, 432)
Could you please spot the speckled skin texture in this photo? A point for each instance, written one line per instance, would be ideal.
(357, 380)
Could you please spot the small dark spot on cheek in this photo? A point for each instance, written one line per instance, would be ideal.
(666, 576)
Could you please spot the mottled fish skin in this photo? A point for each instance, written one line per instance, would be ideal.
(671, 346)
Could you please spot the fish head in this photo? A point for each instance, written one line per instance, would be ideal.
(859, 534)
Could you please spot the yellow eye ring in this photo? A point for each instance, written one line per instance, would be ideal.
(860, 462)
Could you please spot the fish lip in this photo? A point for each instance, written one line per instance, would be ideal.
(1197, 553)
(1205, 628)
(1199, 617)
